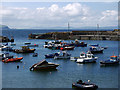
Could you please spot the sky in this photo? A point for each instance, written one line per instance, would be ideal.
(50, 15)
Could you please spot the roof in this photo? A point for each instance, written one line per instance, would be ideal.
(113, 56)
(41, 62)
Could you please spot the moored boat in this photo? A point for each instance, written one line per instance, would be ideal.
(35, 54)
(52, 55)
(64, 55)
(84, 85)
(12, 60)
(27, 43)
(97, 45)
(86, 58)
(67, 48)
(80, 44)
(25, 49)
(112, 61)
(96, 49)
(43, 65)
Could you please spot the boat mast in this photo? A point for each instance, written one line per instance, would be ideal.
(68, 30)
(98, 31)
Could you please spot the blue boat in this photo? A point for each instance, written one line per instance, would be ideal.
(112, 61)
(93, 49)
(52, 55)
(97, 45)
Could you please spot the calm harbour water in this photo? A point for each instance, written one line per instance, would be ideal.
(68, 71)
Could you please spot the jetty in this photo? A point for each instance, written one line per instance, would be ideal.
(80, 35)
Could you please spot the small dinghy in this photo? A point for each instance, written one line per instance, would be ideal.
(112, 61)
(84, 85)
(27, 43)
(12, 60)
(86, 58)
(43, 65)
(35, 54)
(64, 55)
(52, 55)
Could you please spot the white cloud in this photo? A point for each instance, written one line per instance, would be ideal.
(109, 15)
(55, 16)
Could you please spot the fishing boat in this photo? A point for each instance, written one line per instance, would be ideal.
(12, 60)
(112, 61)
(86, 58)
(84, 85)
(93, 49)
(64, 55)
(43, 65)
(25, 49)
(52, 55)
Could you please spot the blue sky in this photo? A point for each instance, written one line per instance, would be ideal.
(57, 14)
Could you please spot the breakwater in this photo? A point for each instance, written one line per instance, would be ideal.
(80, 35)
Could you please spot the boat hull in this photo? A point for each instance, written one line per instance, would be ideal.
(22, 51)
(85, 87)
(45, 68)
(86, 60)
(12, 60)
(109, 63)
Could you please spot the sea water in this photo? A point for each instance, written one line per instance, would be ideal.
(68, 71)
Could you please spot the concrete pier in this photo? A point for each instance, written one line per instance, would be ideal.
(80, 35)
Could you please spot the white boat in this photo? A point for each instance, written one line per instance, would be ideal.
(64, 55)
(86, 58)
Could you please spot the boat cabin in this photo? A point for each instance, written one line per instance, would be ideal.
(88, 55)
(113, 57)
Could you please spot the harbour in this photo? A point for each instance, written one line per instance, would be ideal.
(67, 72)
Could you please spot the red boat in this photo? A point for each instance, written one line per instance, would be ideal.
(12, 60)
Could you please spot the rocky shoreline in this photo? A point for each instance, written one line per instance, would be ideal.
(80, 35)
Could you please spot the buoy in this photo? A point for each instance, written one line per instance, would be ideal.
(17, 66)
